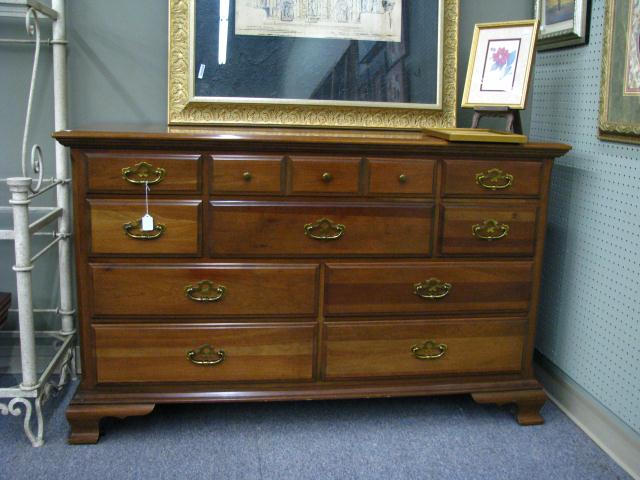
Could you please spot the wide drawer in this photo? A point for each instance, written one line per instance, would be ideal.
(116, 227)
(489, 230)
(489, 178)
(128, 353)
(427, 288)
(127, 172)
(401, 176)
(423, 348)
(246, 174)
(205, 290)
(325, 175)
(246, 228)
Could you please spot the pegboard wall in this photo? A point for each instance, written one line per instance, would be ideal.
(589, 319)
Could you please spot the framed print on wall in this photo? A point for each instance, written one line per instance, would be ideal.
(500, 64)
(620, 85)
(313, 63)
(563, 23)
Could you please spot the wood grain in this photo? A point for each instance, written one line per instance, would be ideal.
(246, 228)
(158, 353)
(383, 349)
(307, 174)
(230, 174)
(459, 220)
(388, 288)
(159, 289)
(385, 176)
(181, 220)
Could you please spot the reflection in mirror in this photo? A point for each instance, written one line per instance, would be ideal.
(343, 62)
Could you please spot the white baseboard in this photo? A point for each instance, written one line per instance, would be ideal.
(612, 435)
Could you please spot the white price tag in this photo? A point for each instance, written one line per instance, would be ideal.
(147, 223)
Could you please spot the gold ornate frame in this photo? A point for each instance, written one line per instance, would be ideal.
(612, 131)
(186, 109)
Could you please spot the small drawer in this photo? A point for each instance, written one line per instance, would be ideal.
(325, 175)
(492, 178)
(127, 172)
(427, 288)
(421, 348)
(209, 290)
(129, 353)
(245, 228)
(246, 174)
(401, 177)
(489, 230)
(116, 228)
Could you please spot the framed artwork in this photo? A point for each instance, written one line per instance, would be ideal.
(620, 87)
(311, 63)
(563, 23)
(500, 64)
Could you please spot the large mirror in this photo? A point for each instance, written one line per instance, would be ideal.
(334, 63)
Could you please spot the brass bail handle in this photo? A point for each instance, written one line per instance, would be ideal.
(142, 173)
(494, 179)
(205, 291)
(324, 229)
(490, 230)
(206, 356)
(132, 230)
(421, 352)
(432, 289)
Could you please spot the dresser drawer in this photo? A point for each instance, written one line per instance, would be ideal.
(127, 172)
(427, 288)
(116, 227)
(423, 348)
(246, 174)
(245, 228)
(492, 178)
(205, 290)
(127, 353)
(401, 177)
(325, 175)
(490, 230)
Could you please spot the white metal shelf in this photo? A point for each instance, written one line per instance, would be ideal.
(27, 221)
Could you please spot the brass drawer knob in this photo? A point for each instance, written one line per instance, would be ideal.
(206, 356)
(205, 291)
(490, 230)
(427, 350)
(132, 230)
(142, 173)
(324, 229)
(327, 177)
(494, 179)
(432, 289)
(247, 176)
(402, 178)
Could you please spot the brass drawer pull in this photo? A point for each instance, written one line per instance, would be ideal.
(420, 351)
(143, 172)
(247, 176)
(205, 291)
(132, 229)
(490, 230)
(324, 229)
(432, 289)
(402, 178)
(206, 356)
(494, 179)
(327, 177)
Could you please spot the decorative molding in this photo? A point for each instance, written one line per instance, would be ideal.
(612, 435)
(184, 110)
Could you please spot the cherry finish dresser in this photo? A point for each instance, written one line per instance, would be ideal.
(286, 264)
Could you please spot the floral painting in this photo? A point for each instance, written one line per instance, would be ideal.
(632, 77)
(500, 65)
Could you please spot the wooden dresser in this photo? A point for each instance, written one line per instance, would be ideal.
(301, 264)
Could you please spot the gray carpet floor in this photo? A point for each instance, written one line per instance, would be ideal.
(444, 438)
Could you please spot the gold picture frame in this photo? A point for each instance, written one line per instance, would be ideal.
(511, 63)
(184, 108)
(623, 125)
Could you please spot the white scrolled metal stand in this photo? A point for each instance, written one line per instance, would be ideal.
(35, 389)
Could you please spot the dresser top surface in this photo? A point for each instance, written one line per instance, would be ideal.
(286, 138)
